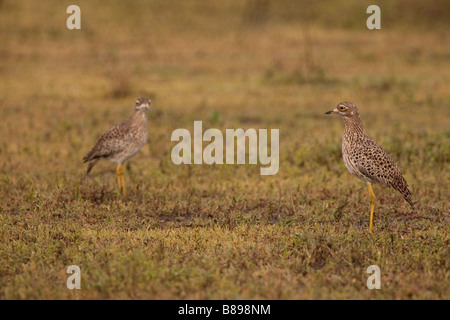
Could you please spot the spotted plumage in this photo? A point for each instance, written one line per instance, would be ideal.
(365, 159)
(122, 141)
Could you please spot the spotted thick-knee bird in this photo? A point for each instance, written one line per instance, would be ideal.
(122, 141)
(365, 159)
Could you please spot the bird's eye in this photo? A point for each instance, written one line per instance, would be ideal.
(341, 108)
(137, 102)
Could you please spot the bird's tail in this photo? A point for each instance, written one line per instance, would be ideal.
(409, 200)
(91, 164)
(401, 186)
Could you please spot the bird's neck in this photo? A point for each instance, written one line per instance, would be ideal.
(353, 125)
(140, 114)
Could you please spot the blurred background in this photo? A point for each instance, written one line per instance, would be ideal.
(255, 63)
(232, 64)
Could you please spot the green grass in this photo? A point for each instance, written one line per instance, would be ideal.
(224, 231)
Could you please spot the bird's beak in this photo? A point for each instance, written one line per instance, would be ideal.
(335, 110)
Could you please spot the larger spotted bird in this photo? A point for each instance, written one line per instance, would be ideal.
(122, 141)
(365, 159)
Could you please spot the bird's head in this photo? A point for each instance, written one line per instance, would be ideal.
(345, 109)
(142, 104)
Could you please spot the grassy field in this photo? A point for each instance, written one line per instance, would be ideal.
(222, 231)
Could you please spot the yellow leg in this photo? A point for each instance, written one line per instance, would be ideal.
(123, 185)
(372, 205)
(119, 182)
(120, 179)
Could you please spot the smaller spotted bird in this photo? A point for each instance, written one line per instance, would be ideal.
(122, 141)
(365, 159)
